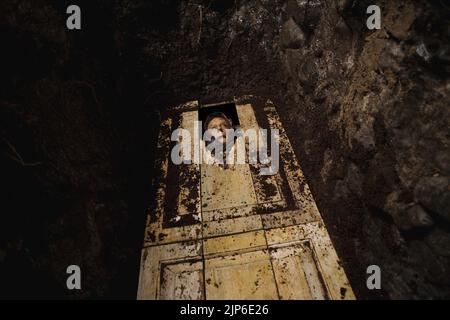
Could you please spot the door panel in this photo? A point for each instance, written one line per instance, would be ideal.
(297, 273)
(215, 233)
(242, 277)
(182, 281)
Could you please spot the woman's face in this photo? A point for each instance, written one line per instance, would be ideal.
(221, 124)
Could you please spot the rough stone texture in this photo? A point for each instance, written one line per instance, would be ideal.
(434, 194)
(371, 114)
(291, 36)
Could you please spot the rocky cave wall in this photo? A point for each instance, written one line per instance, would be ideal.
(367, 113)
(371, 109)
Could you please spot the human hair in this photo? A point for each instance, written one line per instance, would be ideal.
(216, 115)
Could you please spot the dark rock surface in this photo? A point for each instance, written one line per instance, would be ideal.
(434, 194)
(292, 36)
(372, 116)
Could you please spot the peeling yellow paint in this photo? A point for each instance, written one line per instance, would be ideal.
(239, 240)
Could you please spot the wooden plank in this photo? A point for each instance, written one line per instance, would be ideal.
(189, 197)
(266, 187)
(231, 226)
(287, 218)
(226, 188)
(220, 245)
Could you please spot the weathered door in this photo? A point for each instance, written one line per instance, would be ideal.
(215, 233)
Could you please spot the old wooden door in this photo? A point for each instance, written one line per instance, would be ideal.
(215, 233)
